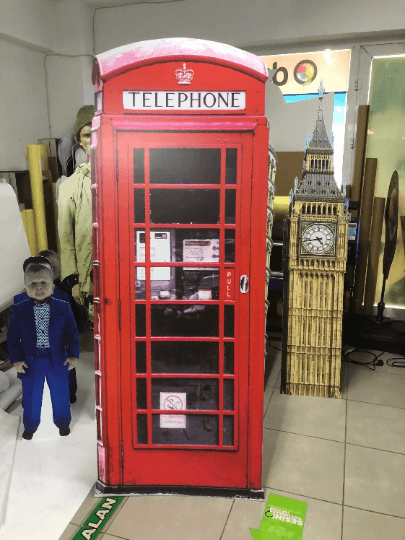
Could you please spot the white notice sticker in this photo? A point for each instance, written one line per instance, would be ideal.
(159, 252)
(200, 251)
(170, 401)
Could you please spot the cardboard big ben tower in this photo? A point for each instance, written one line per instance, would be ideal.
(314, 263)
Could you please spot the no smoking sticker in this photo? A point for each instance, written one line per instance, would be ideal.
(170, 401)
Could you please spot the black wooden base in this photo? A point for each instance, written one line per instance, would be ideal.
(103, 490)
(364, 332)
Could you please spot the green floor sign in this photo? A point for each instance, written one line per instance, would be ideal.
(95, 522)
(283, 519)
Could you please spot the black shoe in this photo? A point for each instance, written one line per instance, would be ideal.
(73, 399)
(27, 435)
(63, 431)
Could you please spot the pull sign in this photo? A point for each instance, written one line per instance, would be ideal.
(229, 284)
(244, 284)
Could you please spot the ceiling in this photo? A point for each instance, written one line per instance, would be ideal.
(112, 3)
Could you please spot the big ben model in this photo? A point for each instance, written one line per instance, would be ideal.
(314, 263)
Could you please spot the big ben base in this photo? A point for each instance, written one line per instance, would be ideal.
(296, 389)
(362, 331)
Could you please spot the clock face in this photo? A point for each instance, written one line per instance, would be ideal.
(318, 239)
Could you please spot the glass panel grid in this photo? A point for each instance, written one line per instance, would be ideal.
(222, 421)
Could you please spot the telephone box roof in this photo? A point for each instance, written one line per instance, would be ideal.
(116, 61)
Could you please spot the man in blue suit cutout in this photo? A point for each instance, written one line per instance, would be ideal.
(61, 293)
(43, 343)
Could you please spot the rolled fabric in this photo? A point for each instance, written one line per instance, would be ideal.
(4, 382)
(10, 395)
(12, 375)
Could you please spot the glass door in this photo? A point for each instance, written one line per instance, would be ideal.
(184, 321)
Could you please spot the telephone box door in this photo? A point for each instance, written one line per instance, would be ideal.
(184, 233)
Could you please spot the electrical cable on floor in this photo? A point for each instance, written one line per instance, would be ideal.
(396, 364)
(377, 361)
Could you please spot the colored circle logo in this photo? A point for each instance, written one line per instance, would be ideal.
(305, 72)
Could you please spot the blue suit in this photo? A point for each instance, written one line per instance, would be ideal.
(60, 295)
(64, 342)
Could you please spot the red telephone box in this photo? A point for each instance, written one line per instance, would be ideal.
(179, 179)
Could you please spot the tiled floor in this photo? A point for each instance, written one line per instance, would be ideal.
(344, 457)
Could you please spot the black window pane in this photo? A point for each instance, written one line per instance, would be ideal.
(139, 167)
(229, 358)
(229, 245)
(140, 320)
(201, 284)
(200, 429)
(228, 394)
(230, 175)
(185, 320)
(141, 393)
(229, 319)
(139, 205)
(140, 352)
(201, 394)
(142, 429)
(184, 357)
(185, 165)
(184, 206)
(228, 431)
(230, 206)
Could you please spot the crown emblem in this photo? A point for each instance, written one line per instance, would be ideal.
(184, 76)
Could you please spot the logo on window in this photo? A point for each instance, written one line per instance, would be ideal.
(305, 72)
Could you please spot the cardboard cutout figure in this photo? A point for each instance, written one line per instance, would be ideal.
(74, 222)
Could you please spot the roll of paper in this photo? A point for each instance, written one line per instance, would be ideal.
(366, 210)
(280, 207)
(374, 255)
(37, 190)
(29, 226)
(403, 230)
(361, 137)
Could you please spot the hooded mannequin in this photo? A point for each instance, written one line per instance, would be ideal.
(74, 222)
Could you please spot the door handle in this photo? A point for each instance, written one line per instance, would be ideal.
(244, 283)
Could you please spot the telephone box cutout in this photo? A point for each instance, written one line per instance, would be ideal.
(180, 164)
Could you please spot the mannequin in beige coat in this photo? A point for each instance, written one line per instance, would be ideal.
(75, 221)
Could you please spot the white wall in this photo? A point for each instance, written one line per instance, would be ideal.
(69, 68)
(23, 103)
(69, 87)
(245, 23)
(46, 62)
(73, 21)
(29, 22)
